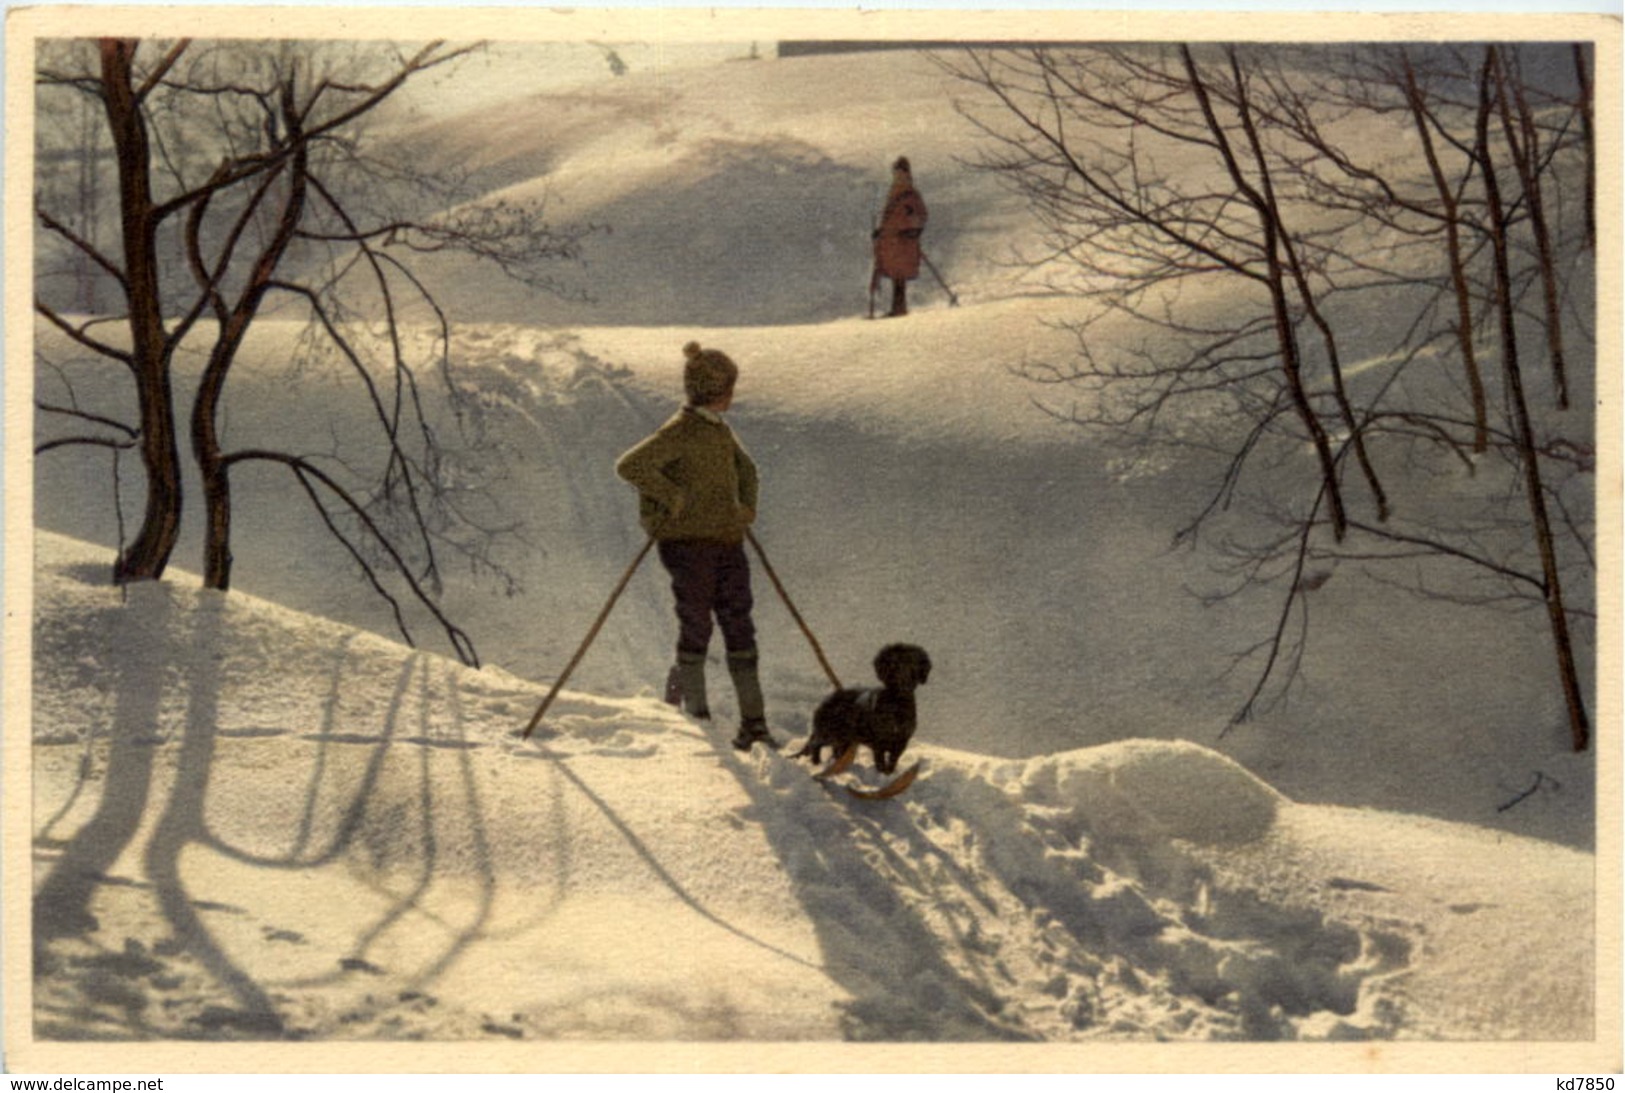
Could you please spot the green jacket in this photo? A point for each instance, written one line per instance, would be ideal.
(693, 478)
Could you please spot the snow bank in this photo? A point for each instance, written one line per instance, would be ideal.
(1174, 788)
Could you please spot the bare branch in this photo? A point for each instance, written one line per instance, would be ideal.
(305, 471)
(91, 441)
(168, 62)
(77, 333)
(96, 419)
(82, 245)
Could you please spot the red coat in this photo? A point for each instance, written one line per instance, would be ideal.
(897, 240)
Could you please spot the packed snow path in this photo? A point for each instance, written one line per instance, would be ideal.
(252, 823)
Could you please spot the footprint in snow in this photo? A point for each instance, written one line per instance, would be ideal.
(440, 742)
(627, 752)
(356, 964)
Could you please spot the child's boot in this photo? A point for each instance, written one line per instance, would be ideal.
(752, 708)
(685, 685)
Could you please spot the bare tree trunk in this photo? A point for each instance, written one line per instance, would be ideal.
(234, 324)
(1458, 262)
(1306, 295)
(1579, 723)
(146, 557)
(1286, 336)
(1523, 141)
(1588, 133)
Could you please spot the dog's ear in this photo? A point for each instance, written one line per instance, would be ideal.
(915, 664)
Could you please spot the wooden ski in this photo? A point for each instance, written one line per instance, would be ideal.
(840, 762)
(890, 789)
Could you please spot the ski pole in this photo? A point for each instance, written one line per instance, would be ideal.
(874, 270)
(597, 625)
(953, 301)
(778, 585)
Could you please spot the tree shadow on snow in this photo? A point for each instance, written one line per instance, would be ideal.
(108, 993)
(110, 979)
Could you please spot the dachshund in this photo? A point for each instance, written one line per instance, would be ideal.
(882, 718)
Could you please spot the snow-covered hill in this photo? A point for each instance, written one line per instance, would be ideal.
(732, 195)
(911, 492)
(283, 827)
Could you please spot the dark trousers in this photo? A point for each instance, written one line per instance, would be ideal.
(709, 579)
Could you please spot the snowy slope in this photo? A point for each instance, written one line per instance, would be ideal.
(296, 829)
(911, 492)
(285, 822)
(732, 196)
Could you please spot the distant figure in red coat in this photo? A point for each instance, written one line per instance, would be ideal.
(897, 239)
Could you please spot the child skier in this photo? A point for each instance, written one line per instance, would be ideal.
(697, 492)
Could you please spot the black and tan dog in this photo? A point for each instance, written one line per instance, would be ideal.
(880, 718)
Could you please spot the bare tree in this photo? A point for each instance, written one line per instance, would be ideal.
(246, 172)
(1161, 171)
(1493, 92)
(1450, 207)
(149, 351)
(1475, 204)
(1523, 144)
(1136, 235)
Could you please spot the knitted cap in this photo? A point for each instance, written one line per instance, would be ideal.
(708, 374)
